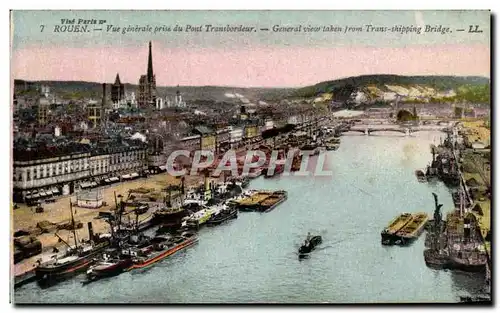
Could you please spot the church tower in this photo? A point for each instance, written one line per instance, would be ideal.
(147, 84)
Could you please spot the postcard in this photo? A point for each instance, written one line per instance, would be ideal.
(250, 157)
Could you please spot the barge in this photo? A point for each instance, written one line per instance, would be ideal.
(271, 202)
(161, 248)
(389, 233)
(252, 202)
(413, 229)
(261, 201)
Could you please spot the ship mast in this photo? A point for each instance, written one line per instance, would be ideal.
(73, 223)
(461, 193)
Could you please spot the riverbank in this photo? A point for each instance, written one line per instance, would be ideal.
(476, 168)
(373, 180)
(58, 212)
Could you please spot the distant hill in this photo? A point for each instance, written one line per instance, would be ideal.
(437, 82)
(366, 88)
(83, 89)
(408, 88)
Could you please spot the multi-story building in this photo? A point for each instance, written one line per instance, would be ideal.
(115, 159)
(223, 138)
(252, 133)
(43, 171)
(236, 137)
(43, 111)
(46, 171)
(191, 143)
(208, 141)
(147, 85)
(94, 113)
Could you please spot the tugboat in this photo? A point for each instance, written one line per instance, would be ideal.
(197, 219)
(225, 214)
(309, 245)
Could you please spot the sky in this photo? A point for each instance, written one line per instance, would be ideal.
(252, 59)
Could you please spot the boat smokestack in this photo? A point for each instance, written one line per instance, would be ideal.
(91, 231)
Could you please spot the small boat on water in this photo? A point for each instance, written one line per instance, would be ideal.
(309, 245)
(389, 233)
(412, 230)
(225, 214)
(420, 176)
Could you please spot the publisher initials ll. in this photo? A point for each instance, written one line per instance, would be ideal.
(474, 29)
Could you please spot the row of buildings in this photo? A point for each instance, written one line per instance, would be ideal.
(43, 169)
(77, 145)
(63, 165)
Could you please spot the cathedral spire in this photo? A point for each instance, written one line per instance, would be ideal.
(150, 64)
(117, 79)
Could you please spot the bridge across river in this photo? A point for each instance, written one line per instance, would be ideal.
(407, 130)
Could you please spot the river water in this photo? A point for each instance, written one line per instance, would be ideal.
(253, 259)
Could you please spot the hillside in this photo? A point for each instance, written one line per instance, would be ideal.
(386, 88)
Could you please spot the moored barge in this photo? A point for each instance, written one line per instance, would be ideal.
(413, 229)
(389, 233)
(271, 202)
(161, 248)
